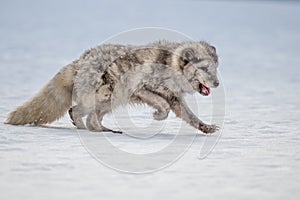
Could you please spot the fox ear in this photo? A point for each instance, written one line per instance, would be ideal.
(213, 48)
(188, 54)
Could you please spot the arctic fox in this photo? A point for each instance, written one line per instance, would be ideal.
(110, 75)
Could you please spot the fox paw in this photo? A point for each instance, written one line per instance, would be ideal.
(160, 115)
(104, 129)
(78, 123)
(208, 128)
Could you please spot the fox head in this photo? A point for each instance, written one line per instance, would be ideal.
(198, 62)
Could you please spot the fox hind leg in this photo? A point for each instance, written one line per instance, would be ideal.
(76, 113)
(159, 103)
(93, 124)
(94, 119)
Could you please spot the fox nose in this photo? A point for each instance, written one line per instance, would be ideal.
(216, 83)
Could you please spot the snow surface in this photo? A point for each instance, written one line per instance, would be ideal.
(258, 154)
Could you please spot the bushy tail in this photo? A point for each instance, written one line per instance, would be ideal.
(49, 104)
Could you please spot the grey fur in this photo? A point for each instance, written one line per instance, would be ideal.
(158, 74)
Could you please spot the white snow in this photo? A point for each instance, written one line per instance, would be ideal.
(258, 154)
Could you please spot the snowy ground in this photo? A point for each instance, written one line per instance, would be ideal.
(258, 155)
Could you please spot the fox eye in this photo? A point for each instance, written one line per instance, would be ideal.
(205, 69)
(196, 60)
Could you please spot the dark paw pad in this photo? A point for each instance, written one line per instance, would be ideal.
(71, 114)
(208, 128)
(160, 115)
(119, 132)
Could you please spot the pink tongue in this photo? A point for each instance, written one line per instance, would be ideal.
(205, 90)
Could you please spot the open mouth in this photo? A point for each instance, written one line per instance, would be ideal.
(204, 90)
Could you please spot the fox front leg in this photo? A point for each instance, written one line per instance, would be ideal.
(182, 111)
